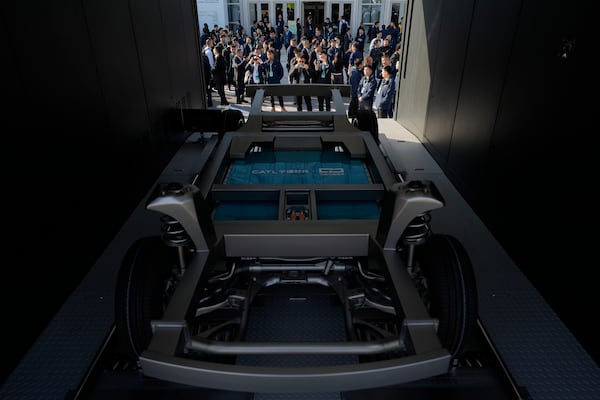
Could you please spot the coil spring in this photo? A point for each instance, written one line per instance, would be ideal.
(417, 230)
(173, 233)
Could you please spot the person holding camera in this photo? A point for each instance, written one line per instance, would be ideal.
(322, 74)
(256, 69)
(299, 74)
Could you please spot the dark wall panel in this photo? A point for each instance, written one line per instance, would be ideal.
(55, 60)
(540, 97)
(12, 86)
(415, 78)
(508, 120)
(90, 85)
(59, 112)
(447, 68)
(539, 146)
(151, 43)
(490, 42)
(174, 32)
(517, 141)
(117, 59)
(149, 36)
(196, 98)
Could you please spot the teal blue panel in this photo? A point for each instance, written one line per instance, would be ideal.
(246, 210)
(297, 167)
(347, 210)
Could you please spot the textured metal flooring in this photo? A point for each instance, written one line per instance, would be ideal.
(289, 315)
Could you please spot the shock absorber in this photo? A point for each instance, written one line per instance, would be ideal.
(173, 232)
(409, 219)
(173, 235)
(416, 233)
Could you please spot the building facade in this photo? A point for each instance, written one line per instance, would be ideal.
(227, 12)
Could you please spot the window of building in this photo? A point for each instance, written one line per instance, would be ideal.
(337, 11)
(290, 12)
(264, 12)
(233, 13)
(370, 12)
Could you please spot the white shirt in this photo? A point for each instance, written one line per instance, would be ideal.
(255, 74)
(211, 57)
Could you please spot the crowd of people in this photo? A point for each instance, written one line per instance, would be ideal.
(326, 53)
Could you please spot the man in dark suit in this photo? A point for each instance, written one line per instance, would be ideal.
(220, 74)
(239, 71)
(274, 72)
(300, 74)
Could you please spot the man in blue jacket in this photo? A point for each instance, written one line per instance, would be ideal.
(384, 97)
(355, 77)
(367, 88)
(273, 73)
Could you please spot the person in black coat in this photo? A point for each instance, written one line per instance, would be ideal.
(300, 74)
(298, 28)
(309, 28)
(220, 74)
(274, 72)
(239, 71)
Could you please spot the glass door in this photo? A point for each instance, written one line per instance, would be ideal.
(316, 9)
(370, 12)
(347, 11)
(287, 10)
(339, 9)
(259, 12)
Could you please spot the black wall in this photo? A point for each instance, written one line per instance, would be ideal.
(506, 116)
(89, 88)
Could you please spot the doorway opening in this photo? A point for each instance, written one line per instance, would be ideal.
(316, 9)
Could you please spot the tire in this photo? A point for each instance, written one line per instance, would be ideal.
(140, 293)
(366, 120)
(451, 290)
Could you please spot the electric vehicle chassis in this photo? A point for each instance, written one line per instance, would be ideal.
(297, 259)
